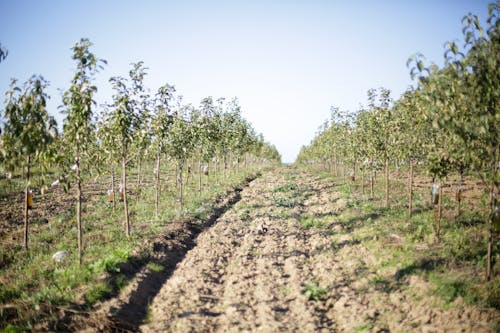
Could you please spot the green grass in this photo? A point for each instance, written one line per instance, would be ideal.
(245, 215)
(280, 214)
(98, 292)
(311, 222)
(289, 187)
(155, 267)
(363, 327)
(286, 202)
(454, 265)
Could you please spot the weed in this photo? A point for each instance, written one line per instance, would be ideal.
(310, 222)
(98, 292)
(286, 188)
(245, 216)
(314, 292)
(363, 327)
(286, 202)
(155, 267)
(450, 289)
(13, 329)
(149, 314)
(110, 264)
(121, 281)
(382, 284)
(6, 294)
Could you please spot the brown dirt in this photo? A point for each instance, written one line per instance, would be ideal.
(249, 272)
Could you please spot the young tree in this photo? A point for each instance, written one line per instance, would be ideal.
(412, 131)
(161, 126)
(181, 144)
(474, 118)
(109, 145)
(27, 133)
(141, 104)
(123, 121)
(78, 125)
(210, 131)
(383, 126)
(479, 128)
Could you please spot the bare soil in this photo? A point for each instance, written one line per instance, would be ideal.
(256, 268)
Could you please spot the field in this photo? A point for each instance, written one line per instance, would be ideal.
(294, 249)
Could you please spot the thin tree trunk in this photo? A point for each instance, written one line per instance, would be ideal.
(363, 181)
(335, 165)
(459, 193)
(199, 176)
(225, 165)
(410, 190)
(439, 213)
(354, 172)
(208, 174)
(139, 166)
(386, 183)
(125, 200)
(26, 193)
(180, 189)
(157, 194)
(79, 208)
(190, 176)
(176, 176)
(113, 185)
(490, 232)
(216, 173)
(372, 181)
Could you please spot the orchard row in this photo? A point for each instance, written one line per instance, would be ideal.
(136, 126)
(449, 123)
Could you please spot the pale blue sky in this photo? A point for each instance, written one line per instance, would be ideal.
(286, 61)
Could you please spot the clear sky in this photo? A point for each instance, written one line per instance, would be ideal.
(286, 61)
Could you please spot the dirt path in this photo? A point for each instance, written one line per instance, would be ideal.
(281, 260)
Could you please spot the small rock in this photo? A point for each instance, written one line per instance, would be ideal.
(59, 256)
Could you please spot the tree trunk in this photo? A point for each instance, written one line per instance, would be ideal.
(26, 193)
(79, 208)
(372, 184)
(225, 166)
(176, 176)
(459, 193)
(386, 183)
(157, 194)
(363, 181)
(335, 165)
(113, 185)
(410, 190)
(139, 167)
(180, 189)
(208, 175)
(125, 200)
(216, 171)
(354, 172)
(199, 176)
(490, 232)
(439, 213)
